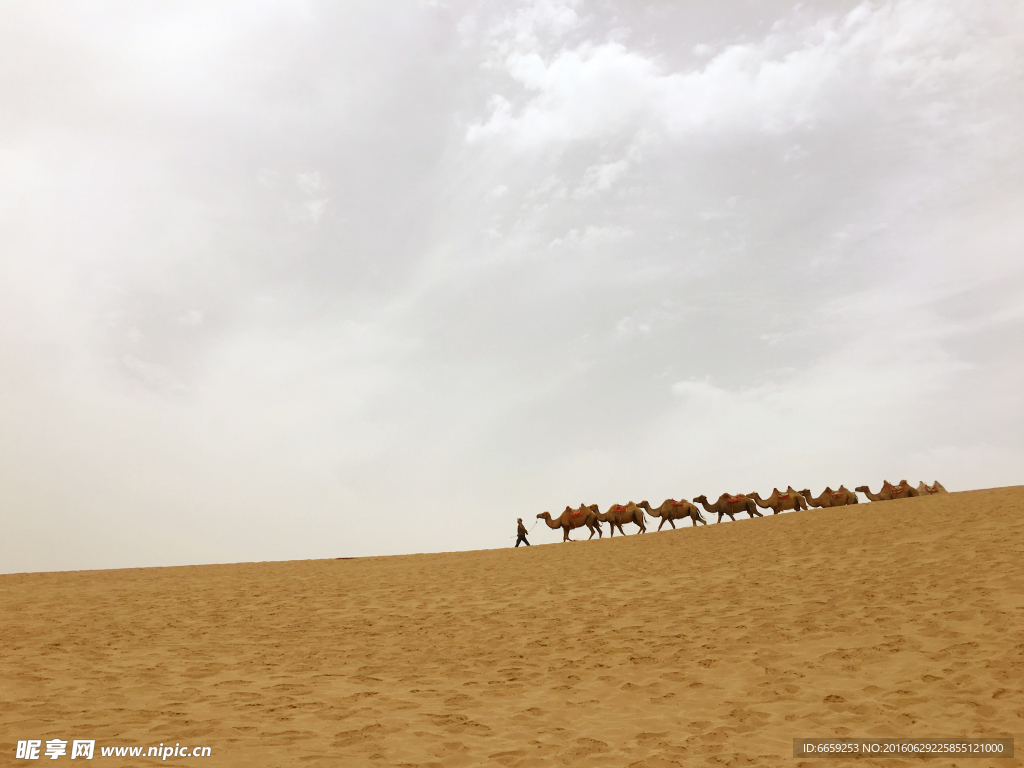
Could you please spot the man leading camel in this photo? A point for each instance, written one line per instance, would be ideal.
(522, 534)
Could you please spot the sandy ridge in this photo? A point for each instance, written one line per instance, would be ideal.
(715, 645)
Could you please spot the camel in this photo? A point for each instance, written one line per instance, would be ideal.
(926, 490)
(729, 505)
(618, 514)
(906, 490)
(829, 498)
(573, 518)
(672, 510)
(889, 491)
(779, 501)
(851, 497)
(883, 495)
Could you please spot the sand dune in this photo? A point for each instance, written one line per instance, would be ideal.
(714, 646)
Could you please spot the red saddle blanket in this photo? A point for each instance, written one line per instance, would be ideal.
(734, 499)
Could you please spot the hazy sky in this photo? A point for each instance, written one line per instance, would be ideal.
(284, 280)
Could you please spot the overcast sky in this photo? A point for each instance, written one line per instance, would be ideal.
(284, 280)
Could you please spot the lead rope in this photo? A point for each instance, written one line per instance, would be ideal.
(529, 531)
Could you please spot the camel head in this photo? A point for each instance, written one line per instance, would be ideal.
(861, 489)
(594, 508)
(544, 516)
(702, 499)
(806, 493)
(644, 505)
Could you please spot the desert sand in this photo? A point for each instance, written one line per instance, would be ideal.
(695, 647)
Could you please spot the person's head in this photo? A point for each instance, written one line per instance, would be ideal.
(520, 519)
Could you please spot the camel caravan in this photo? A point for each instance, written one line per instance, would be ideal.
(618, 515)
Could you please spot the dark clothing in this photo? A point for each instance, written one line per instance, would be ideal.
(522, 534)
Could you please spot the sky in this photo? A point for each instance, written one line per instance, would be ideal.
(285, 280)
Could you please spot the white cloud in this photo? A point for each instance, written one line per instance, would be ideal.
(793, 258)
(627, 328)
(538, 20)
(310, 183)
(789, 79)
(308, 210)
(591, 237)
(600, 177)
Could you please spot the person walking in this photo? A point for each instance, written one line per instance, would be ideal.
(522, 534)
